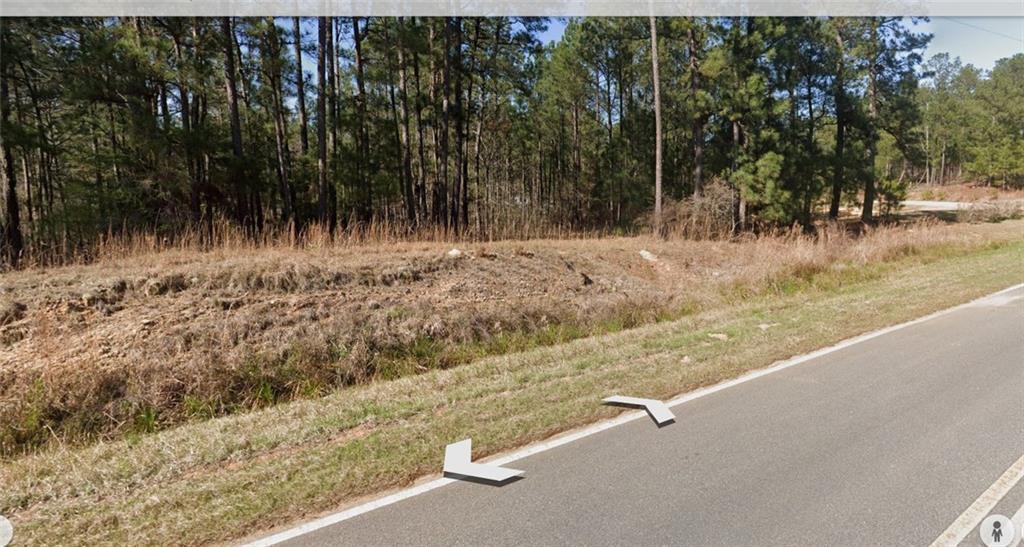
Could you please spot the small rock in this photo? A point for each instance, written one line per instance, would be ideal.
(454, 253)
(687, 360)
(719, 336)
(648, 256)
(766, 326)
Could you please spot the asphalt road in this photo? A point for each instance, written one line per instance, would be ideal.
(923, 205)
(885, 442)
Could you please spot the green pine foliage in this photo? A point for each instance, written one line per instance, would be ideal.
(473, 126)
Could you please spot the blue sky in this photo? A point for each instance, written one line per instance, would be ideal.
(979, 41)
(976, 40)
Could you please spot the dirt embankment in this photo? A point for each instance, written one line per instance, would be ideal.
(137, 344)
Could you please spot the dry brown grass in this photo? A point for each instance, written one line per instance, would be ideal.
(220, 479)
(991, 211)
(707, 216)
(964, 192)
(138, 341)
(225, 235)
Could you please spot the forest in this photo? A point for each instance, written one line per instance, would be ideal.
(474, 128)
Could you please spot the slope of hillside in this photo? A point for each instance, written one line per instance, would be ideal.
(217, 480)
(142, 343)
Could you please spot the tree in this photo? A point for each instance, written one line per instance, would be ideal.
(321, 120)
(272, 61)
(243, 212)
(842, 114)
(13, 242)
(889, 54)
(998, 152)
(300, 87)
(657, 125)
(406, 139)
(471, 124)
(365, 206)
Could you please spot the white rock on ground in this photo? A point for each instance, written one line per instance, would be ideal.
(454, 253)
(648, 256)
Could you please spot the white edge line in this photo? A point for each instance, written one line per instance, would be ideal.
(974, 514)
(587, 431)
(1018, 523)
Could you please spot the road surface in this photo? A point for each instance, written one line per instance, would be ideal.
(884, 442)
(923, 205)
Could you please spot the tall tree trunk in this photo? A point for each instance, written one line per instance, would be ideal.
(466, 121)
(114, 148)
(186, 126)
(321, 119)
(421, 182)
(332, 126)
(300, 87)
(332, 96)
(698, 116)
(244, 215)
(442, 190)
(942, 165)
(13, 242)
(808, 198)
(838, 160)
(406, 150)
(366, 192)
(872, 99)
(657, 126)
(459, 186)
(164, 109)
(272, 66)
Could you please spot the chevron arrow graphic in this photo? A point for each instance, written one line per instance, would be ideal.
(458, 464)
(658, 411)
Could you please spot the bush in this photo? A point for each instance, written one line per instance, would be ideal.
(703, 217)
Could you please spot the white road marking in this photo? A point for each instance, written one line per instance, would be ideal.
(458, 460)
(929, 205)
(1018, 524)
(974, 514)
(997, 301)
(571, 436)
(658, 410)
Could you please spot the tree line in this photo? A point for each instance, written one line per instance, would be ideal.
(473, 126)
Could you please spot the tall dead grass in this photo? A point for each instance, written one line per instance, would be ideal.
(225, 235)
(706, 216)
(132, 348)
(992, 211)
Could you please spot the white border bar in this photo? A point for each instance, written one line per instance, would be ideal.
(547, 8)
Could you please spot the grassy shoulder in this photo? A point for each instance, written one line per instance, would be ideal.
(224, 478)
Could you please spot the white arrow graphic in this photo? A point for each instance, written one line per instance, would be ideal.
(657, 409)
(457, 458)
